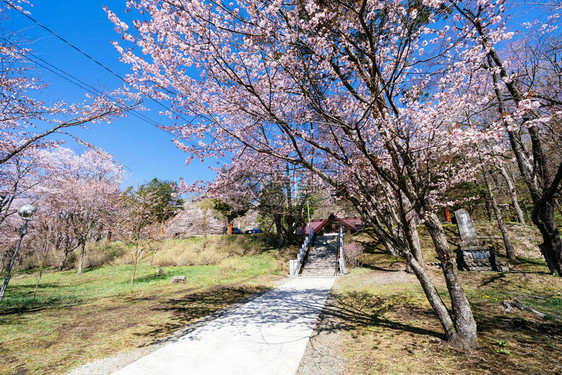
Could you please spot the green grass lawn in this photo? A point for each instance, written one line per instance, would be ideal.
(78, 318)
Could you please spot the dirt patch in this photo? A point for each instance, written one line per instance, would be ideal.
(323, 354)
(379, 277)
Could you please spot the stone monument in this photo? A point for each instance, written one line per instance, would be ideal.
(473, 254)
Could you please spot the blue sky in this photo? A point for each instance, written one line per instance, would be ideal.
(145, 151)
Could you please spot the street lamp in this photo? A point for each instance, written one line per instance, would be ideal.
(26, 212)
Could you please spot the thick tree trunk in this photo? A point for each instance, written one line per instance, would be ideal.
(512, 195)
(463, 320)
(434, 299)
(551, 248)
(63, 259)
(281, 241)
(82, 256)
(505, 234)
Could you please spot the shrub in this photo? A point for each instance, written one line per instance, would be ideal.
(352, 251)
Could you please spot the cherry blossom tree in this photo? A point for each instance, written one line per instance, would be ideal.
(196, 218)
(370, 97)
(21, 178)
(83, 196)
(76, 196)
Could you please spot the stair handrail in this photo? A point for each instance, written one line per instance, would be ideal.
(341, 252)
(295, 265)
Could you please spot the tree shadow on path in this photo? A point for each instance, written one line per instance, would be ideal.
(195, 306)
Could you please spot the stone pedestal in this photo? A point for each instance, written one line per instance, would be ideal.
(473, 254)
(476, 256)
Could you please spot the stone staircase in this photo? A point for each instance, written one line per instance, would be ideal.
(322, 258)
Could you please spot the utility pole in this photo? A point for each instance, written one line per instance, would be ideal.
(295, 200)
(308, 209)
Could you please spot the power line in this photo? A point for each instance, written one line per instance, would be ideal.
(78, 82)
(135, 113)
(94, 60)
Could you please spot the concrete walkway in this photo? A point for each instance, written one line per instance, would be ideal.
(267, 335)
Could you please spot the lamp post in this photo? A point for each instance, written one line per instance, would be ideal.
(26, 212)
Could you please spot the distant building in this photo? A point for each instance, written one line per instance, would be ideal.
(333, 223)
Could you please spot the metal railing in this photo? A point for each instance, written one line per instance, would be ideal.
(341, 255)
(295, 265)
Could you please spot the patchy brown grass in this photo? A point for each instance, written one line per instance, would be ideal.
(386, 325)
(392, 329)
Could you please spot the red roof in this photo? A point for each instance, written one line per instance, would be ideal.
(351, 223)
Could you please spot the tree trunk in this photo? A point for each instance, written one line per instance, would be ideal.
(551, 248)
(43, 259)
(463, 320)
(505, 234)
(381, 237)
(135, 261)
(393, 234)
(488, 211)
(82, 256)
(416, 243)
(434, 300)
(533, 168)
(390, 248)
(62, 262)
(413, 238)
(281, 241)
(512, 195)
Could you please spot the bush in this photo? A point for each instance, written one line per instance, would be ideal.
(352, 251)
(200, 250)
(113, 252)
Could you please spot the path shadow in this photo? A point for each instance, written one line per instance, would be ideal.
(19, 300)
(150, 277)
(208, 304)
(293, 309)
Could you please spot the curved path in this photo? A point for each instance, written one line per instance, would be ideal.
(267, 335)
